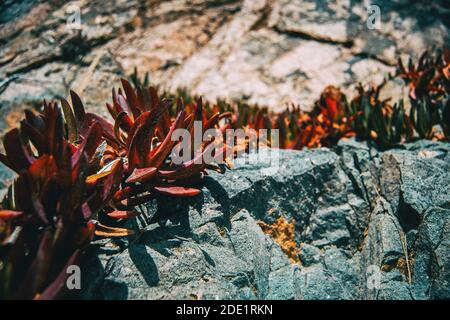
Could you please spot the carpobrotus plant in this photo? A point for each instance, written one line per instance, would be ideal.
(77, 170)
(74, 171)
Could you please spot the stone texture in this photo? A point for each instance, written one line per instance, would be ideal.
(358, 212)
(268, 52)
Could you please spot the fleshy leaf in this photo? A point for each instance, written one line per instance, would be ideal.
(177, 191)
(70, 120)
(9, 214)
(122, 214)
(142, 175)
(105, 231)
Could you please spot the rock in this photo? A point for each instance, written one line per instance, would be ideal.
(6, 178)
(354, 245)
(309, 254)
(324, 20)
(265, 52)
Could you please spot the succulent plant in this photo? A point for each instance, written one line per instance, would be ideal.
(424, 116)
(49, 211)
(333, 116)
(428, 78)
(389, 125)
(77, 171)
(429, 84)
(445, 122)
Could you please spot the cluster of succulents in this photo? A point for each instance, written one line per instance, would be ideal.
(47, 216)
(365, 117)
(429, 84)
(429, 115)
(78, 171)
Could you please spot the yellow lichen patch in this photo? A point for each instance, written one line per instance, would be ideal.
(283, 232)
(222, 231)
(405, 266)
(401, 265)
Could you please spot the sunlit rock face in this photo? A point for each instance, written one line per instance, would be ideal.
(266, 52)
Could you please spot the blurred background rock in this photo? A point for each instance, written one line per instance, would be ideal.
(267, 52)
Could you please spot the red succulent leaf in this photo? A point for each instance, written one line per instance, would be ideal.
(165, 121)
(132, 98)
(17, 153)
(39, 268)
(59, 283)
(154, 99)
(78, 109)
(139, 139)
(90, 143)
(86, 211)
(124, 120)
(64, 165)
(111, 110)
(128, 192)
(177, 191)
(35, 136)
(112, 182)
(331, 107)
(43, 169)
(143, 99)
(122, 105)
(70, 121)
(157, 157)
(36, 121)
(107, 127)
(9, 214)
(183, 171)
(130, 203)
(71, 200)
(117, 214)
(53, 128)
(142, 175)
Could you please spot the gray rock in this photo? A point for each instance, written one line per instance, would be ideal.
(353, 245)
(309, 254)
(6, 178)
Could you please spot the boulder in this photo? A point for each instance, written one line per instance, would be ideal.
(368, 225)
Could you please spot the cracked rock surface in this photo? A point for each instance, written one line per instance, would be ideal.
(369, 225)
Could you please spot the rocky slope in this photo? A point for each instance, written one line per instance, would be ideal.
(268, 52)
(368, 225)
